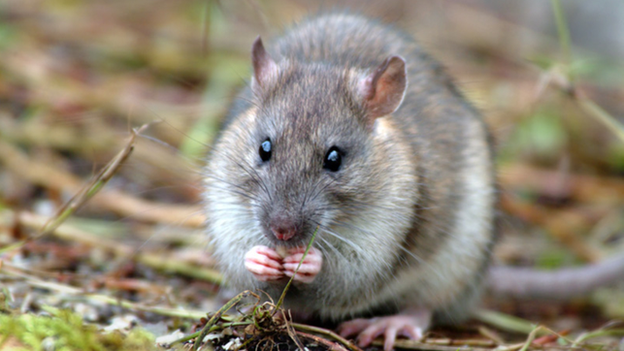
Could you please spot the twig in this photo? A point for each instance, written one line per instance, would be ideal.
(547, 339)
(327, 333)
(490, 334)
(293, 334)
(330, 345)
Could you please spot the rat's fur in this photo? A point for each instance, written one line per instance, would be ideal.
(408, 221)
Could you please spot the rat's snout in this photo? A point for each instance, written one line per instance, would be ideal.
(282, 227)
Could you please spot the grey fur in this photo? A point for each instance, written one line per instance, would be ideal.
(408, 219)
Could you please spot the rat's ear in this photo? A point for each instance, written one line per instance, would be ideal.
(264, 66)
(383, 89)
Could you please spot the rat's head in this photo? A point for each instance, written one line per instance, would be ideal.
(310, 145)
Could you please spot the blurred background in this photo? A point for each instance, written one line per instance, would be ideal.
(77, 76)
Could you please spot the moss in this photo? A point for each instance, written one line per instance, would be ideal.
(65, 330)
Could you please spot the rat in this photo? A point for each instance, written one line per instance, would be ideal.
(350, 130)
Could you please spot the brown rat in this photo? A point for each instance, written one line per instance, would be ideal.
(349, 126)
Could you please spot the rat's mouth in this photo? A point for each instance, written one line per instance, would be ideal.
(283, 234)
(296, 241)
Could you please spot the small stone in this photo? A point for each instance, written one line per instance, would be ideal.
(233, 344)
(123, 323)
(166, 340)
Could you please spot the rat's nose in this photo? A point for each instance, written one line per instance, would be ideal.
(282, 228)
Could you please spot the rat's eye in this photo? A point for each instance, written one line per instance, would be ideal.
(265, 150)
(333, 159)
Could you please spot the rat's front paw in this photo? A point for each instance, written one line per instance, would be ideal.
(411, 325)
(264, 263)
(310, 266)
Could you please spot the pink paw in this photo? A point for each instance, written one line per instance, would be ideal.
(264, 263)
(310, 266)
(410, 325)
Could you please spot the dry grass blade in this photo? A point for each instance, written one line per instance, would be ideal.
(96, 183)
(327, 333)
(562, 28)
(532, 337)
(292, 333)
(281, 299)
(491, 335)
(213, 320)
(332, 346)
(504, 322)
(607, 330)
(599, 113)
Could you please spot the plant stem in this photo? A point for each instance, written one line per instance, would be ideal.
(281, 299)
(562, 30)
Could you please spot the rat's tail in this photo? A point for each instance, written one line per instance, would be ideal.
(559, 284)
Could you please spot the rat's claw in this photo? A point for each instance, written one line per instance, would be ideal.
(390, 327)
(310, 266)
(410, 325)
(264, 263)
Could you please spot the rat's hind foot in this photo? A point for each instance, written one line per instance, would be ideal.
(310, 266)
(264, 263)
(411, 325)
